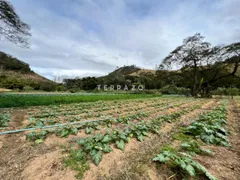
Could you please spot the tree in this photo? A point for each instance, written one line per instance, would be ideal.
(202, 64)
(10, 63)
(223, 62)
(189, 54)
(11, 26)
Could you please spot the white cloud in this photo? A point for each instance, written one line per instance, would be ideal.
(66, 73)
(78, 38)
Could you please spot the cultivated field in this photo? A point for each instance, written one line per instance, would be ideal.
(123, 138)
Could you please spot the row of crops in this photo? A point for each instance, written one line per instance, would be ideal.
(22, 100)
(120, 121)
(100, 110)
(207, 129)
(136, 119)
(89, 127)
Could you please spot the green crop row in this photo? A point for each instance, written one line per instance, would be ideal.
(208, 128)
(21, 100)
(96, 145)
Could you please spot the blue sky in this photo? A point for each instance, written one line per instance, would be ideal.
(93, 37)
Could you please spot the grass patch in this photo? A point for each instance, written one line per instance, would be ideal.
(168, 148)
(182, 137)
(77, 160)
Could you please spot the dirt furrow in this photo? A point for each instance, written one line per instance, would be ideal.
(122, 165)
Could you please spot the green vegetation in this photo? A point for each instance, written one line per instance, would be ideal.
(183, 163)
(77, 161)
(66, 131)
(136, 124)
(227, 91)
(10, 63)
(20, 100)
(194, 148)
(208, 128)
(16, 74)
(208, 66)
(4, 119)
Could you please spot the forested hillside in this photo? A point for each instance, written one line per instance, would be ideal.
(16, 74)
(169, 81)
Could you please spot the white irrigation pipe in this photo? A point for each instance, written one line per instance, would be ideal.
(56, 125)
(47, 127)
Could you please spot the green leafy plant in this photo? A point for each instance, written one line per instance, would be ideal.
(89, 127)
(65, 131)
(139, 130)
(194, 148)
(120, 138)
(95, 146)
(36, 136)
(4, 120)
(183, 163)
(209, 127)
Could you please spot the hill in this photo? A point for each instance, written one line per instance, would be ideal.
(131, 70)
(161, 79)
(132, 73)
(16, 74)
(128, 75)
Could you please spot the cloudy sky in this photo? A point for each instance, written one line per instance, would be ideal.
(93, 37)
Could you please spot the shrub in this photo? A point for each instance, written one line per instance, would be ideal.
(47, 87)
(60, 88)
(226, 91)
(27, 88)
(172, 89)
(232, 92)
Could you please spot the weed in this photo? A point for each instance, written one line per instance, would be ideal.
(77, 160)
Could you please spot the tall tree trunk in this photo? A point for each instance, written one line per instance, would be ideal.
(205, 90)
(195, 79)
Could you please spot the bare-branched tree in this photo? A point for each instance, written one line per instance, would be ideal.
(11, 26)
(205, 64)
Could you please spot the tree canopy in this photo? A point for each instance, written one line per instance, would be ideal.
(12, 27)
(203, 64)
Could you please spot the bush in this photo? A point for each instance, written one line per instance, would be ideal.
(74, 90)
(47, 87)
(27, 88)
(219, 91)
(60, 88)
(226, 91)
(232, 92)
(152, 91)
(171, 89)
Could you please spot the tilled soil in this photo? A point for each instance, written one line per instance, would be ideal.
(136, 163)
(225, 164)
(23, 160)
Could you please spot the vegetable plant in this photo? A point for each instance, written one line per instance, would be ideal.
(4, 120)
(184, 163)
